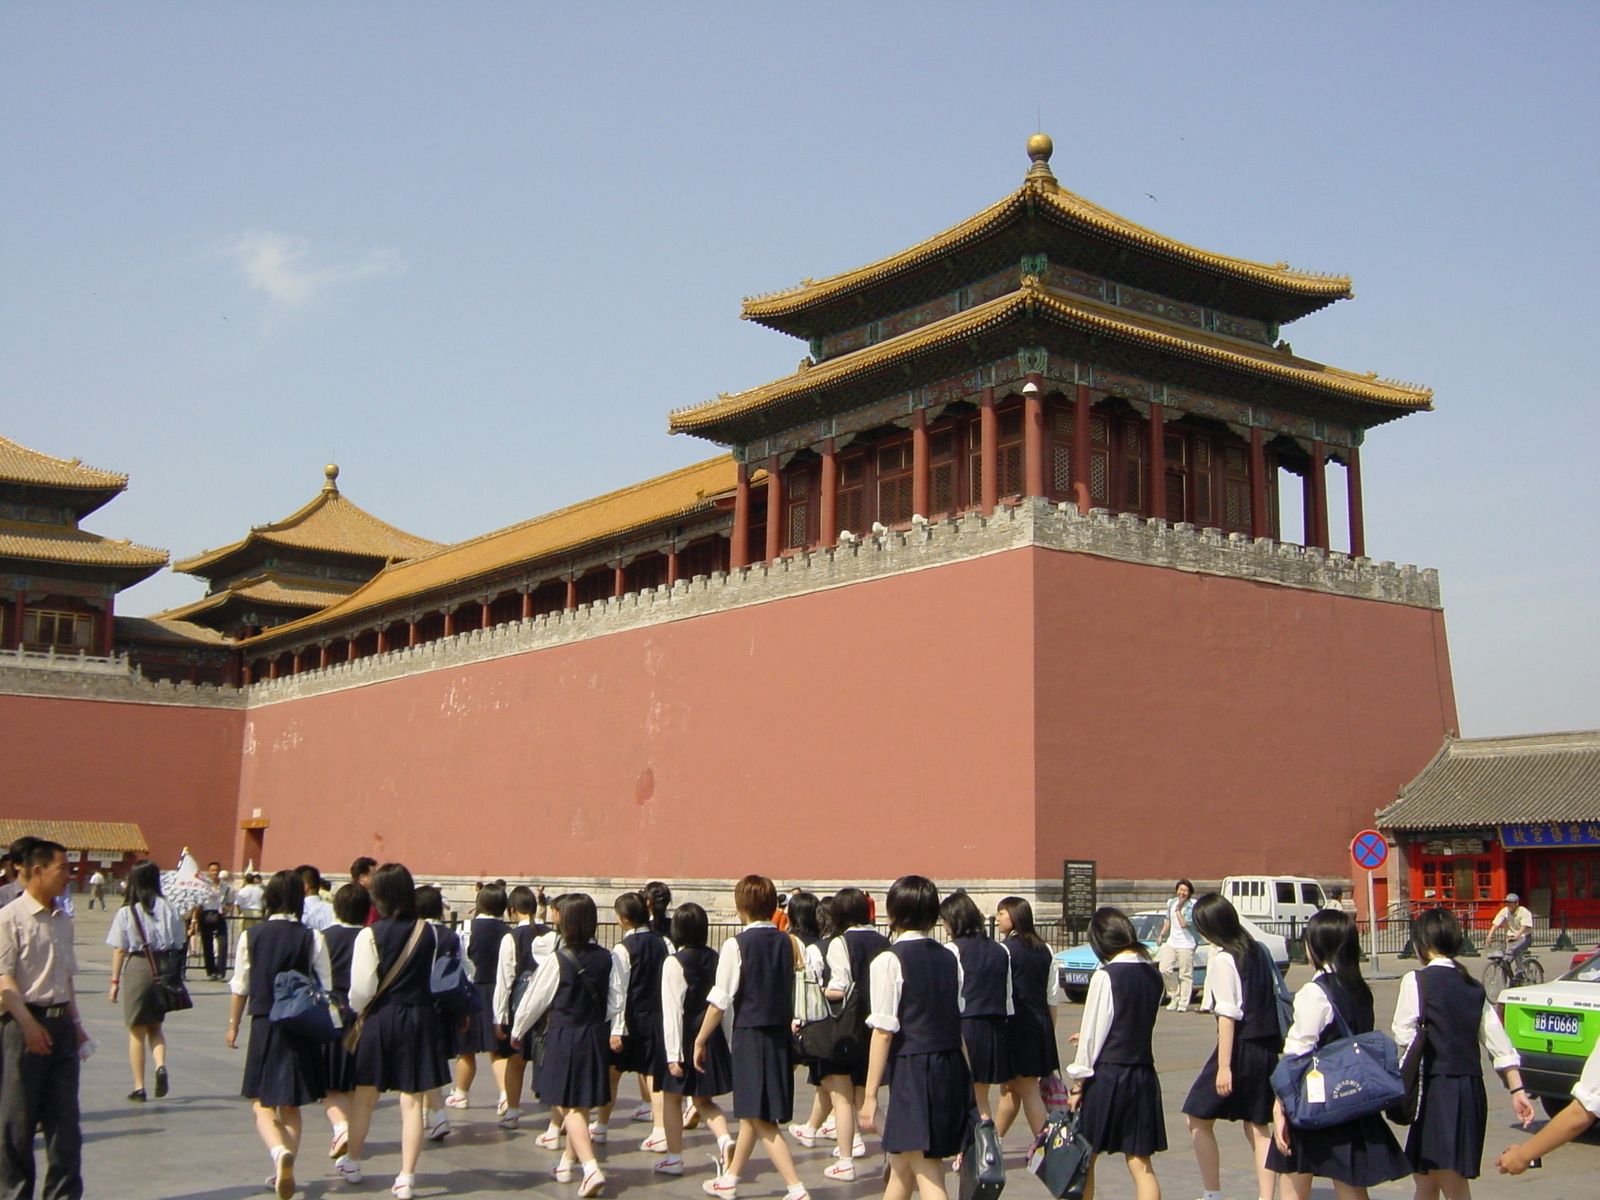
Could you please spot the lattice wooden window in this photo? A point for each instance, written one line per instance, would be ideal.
(1062, 423)
(797, 484)
(1011, 423)
(942, 444)
(975, 478)
(852, 509)
(1010, 469)
(1099, 431)
(1135, 442)
(1100, 477)
(50, 627)
(1203, 515)
(942, 488)
(1236, 514)
(894, 500)
(894, 458)
(797, 525)
(1177, 496)
(1061, 469)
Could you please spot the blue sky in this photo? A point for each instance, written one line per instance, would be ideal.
(476, 253)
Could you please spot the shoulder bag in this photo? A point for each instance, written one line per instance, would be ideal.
(1350, 1078)
(303, 1007)
(454, 995)
(352, 1036)
(1282, 997)
(170, 992)
(1413, 1073)
(809, 1002)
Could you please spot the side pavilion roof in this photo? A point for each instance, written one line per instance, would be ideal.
(1541, 777)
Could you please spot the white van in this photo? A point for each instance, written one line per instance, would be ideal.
(1274, 897)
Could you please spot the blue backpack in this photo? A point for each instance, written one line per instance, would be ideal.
(454, 995)
(1354, 1077)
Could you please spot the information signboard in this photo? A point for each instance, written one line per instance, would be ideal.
(1079, 891)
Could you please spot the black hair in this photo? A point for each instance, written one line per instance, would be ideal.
(144, 885)
(1021, 914)
(430, 903)
(826, 925)
(213, 863)
(362, 866)
(1110, 933)
(658, 896)
(1438, 930)
(689, 926)
(913, 903)
(802, 912)
(1184, 883)
(491, 900)
(285, 893)
(352, 904)
(311, 877)
(394, 892)
(19, 848)
(960, 915)
(578, 919)
(522, 900)
(850, 908)
(630, 907)
(1333, 944)
(1216, 920)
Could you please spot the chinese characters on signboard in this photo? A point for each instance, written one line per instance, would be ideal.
(1551, 833)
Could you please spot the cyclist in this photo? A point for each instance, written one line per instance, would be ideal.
(1515, 924)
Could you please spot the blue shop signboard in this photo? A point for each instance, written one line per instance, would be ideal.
(1551, 833)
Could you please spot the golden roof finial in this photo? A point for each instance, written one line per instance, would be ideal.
(331, 473)
(1040, 148)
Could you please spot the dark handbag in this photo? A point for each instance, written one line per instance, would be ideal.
(352, 1035)
(1413, 1073)
(1353, 1077)
(829, 1039)
(454, 995)
(167, 987)
(983, 1168)
(303, 1007)
(1061, 1157)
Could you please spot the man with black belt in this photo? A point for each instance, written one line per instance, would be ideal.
(40, 1033)
(210, 920)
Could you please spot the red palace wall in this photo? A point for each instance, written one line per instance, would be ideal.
(1205, 726)
(983, 719)
(174, 770)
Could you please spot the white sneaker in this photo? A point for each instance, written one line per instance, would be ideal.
(349, 1170)
(283, 1180)
(858, 1150)
(842, 1171)
(550, 1139)
(456, 1100)
(341, 1143)
(691, 1114)
(829, 1128)
(593, 1180)
(803, 1134)
(642, 1113)
(436, 1125)
(563, 1170)
(721, 1188)
(655, 1143)
(597, 1134)
(672, 1164)
(402, 1188)
(509, 1118)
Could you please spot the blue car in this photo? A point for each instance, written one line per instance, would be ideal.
(1077, 964)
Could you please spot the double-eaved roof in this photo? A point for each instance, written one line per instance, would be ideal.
(1476, 782)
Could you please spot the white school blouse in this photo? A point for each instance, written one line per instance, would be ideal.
(1408, 1011)
(239, 985)
(542, 990)
(888, 981)
(1098, 1010)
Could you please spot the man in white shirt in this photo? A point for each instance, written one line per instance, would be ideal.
(97, 890)
(1175, 958)
(248, 898)
(1516, 924)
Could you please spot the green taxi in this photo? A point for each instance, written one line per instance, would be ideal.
(1554, 1025)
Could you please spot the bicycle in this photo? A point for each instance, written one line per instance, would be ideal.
(1517, 971)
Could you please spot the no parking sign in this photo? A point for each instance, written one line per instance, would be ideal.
(1369, 849)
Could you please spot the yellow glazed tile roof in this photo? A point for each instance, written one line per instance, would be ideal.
(163, 629)
(265, 589)
(330, 523)
(18, 464)
(122, 836)
(677, 493)
(64, 544)
(1088, 315)
(1073, 210)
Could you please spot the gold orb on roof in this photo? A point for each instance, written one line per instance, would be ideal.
(331, 474)
(1040, 147)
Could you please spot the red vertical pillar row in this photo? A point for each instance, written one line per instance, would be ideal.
(672, 564)
(296, 663)
(919, 462)
(449, 622)
(1082, 472)
(1358, 520)
(1033, 436)
(774, 509)
(350, 648)
(1317, 518)
(739, 544)
(527, 604)
(383, 639)
(828, 533)
(1157, 481)
(572, 592)
(988, 452)
(486, 614)
(1259, 525)
(107, 629)
(323, 656)
(411, 631)
(619, 579)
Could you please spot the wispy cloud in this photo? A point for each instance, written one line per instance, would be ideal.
(296, 274)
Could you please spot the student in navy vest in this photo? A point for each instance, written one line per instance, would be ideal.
(1357, 1154)
(916, 1047)
(1445, 1144)
(577, 987)
(1236, 1082)
(1031, 1027)
(686, 981)
(351, 908)
(484, 933)
(636, 1037)
(281, 1072)
(755, 979)
(985, 997)
(1114, 1075)
(402, 1044)
(447, 945)
(527, 944)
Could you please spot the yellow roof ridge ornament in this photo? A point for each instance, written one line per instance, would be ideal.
(331, 474)
(1040, 148)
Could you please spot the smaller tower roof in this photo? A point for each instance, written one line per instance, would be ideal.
(18, 464)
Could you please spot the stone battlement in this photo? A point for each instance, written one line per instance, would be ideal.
(70, 677)
(927, 545)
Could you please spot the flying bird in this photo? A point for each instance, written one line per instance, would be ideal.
(1152, 197)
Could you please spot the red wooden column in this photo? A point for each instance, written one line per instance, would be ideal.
(248, 676)
(105, 631)
(988, 452)
(619, 579)
(1259, 525)
(1082, 471)
(486, 615)
(1317, 518)
(449, 622)
(272, 667)
(572, 591)
(323, 657)
(919, 462)
(1033, 436)
(739, 544)
(774, 509)
(1358, 520)
(672, 564)
(296, 663)
(828, 533)
(527, 603)
(1157, 480)
(383, 639)
(350, 650)
(411, 631)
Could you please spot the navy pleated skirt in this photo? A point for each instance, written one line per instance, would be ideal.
(1252, 1096)
(1032, 1042)
(715, 1080)
(1361, 1153)
(281, 1070)
(642, 1048)
(763, 1073)
(988, 1049)
(575, 1070)
(931, 1107)
(479, 1037)
(1121, 1110)
(1448, 1133)
(402, 1049)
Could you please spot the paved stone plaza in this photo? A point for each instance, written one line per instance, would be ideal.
(200, 1143)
